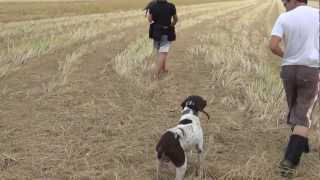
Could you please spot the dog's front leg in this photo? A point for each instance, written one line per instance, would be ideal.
(180, 171)
(200, 151)
(318, 146)
(317, 129)
(158, 165)
(199, 168)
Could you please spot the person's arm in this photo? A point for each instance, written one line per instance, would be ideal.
(174, 15)
(274, 46)
(276, 36)
(150, 18)
(175, 20)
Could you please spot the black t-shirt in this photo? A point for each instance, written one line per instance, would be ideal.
(162, 12)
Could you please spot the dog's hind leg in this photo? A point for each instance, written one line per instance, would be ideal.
(180, 171)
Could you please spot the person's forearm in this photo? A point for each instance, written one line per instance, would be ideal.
(174, 22)
(150, 18)
(274, 45)
(277, 51)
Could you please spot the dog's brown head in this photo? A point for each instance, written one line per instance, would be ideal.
(196, 103)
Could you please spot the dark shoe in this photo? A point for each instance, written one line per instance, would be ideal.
(287, 169)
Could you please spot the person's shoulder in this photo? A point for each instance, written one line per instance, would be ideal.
(315, 10)
(150, 4)
(304, 11)
(311, 11)
(171, 4)
(282, 16)
(310, 8)
(153, 5)
(315, 13)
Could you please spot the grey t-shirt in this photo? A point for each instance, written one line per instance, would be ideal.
(299, 29)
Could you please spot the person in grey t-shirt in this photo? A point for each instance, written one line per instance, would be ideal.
(298, 28)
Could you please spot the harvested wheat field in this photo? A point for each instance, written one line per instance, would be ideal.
(79, 101)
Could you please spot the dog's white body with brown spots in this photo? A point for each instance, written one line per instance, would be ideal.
(191, 134)
(188, 134)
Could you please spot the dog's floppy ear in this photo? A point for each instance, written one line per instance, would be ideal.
(198, 104)
(201, 103)
(183, 104)
(198, 101)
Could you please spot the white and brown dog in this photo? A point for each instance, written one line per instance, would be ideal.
(176, 141)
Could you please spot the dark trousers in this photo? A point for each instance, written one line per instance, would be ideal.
(301, 84)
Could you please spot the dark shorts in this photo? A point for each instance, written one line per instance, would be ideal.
(301, 84)
(162, 46)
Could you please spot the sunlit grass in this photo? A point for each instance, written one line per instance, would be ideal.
(135, 55)
(23, 41)
(250, 83)
(23, 10)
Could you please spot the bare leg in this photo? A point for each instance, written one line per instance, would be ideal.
(180, 171)
(162, 63)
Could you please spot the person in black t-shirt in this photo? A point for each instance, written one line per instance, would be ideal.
(163, 17)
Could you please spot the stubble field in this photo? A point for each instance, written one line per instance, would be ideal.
(79, 101)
